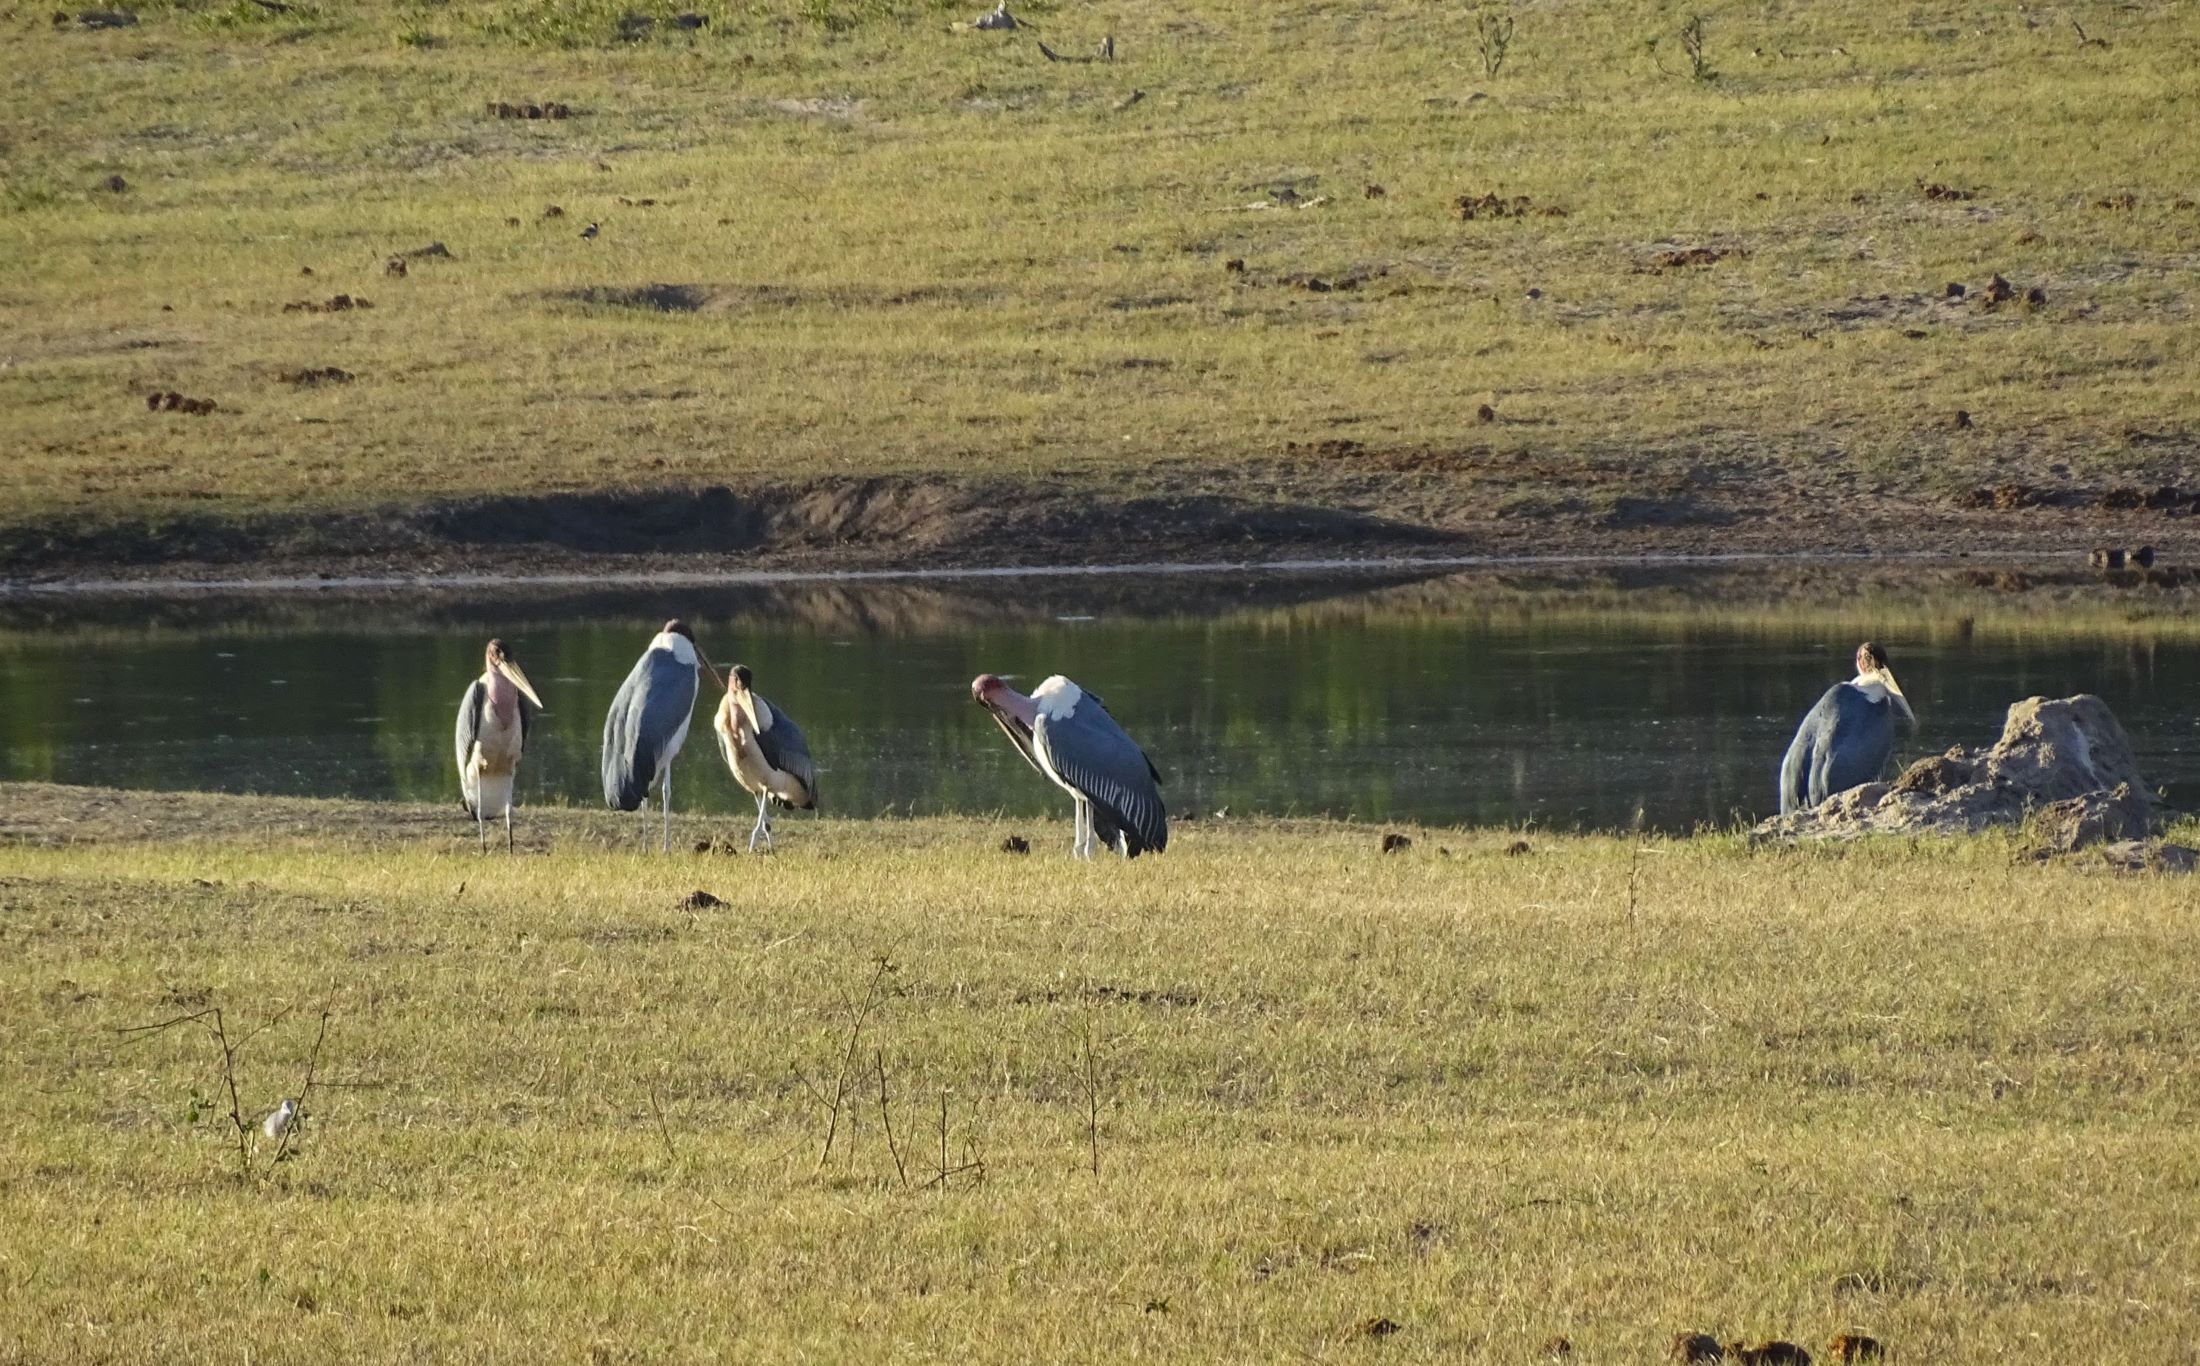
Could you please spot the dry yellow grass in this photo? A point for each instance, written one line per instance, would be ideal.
(1924, 1092)
(896, 249)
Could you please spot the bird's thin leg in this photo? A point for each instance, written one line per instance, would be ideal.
(664, 799)
(758, 830)
(508, 845)
(1084, 831)
(481, 826)
(764, 819)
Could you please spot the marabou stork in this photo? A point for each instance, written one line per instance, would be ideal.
(493, 719)
(766, 751)
(649, 722)
(1848, 737)
(1066, 733)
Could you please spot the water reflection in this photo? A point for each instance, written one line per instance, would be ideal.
(1488, 700)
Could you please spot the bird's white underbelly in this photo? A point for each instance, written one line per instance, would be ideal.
(497, 744)
(1046, 766)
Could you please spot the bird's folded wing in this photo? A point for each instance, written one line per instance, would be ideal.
(1094, 755)
(784, 746)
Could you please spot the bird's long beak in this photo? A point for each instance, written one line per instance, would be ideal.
(518, 679)
(704, 660)
(1894, 690)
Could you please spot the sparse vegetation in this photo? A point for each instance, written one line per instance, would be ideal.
(921, 251)
(1692, 47)
(1493, 35)
(1609, 1090)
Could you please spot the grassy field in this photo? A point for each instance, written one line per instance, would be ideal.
(1239, 1102)
(881, 246)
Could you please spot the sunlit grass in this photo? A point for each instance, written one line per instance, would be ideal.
(932, 253)
(1602, 1089)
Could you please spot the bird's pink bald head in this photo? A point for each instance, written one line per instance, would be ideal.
(988, 691)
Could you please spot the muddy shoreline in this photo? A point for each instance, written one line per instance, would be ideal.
(880, 526)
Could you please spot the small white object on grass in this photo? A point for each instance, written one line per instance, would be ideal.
(279, 1120)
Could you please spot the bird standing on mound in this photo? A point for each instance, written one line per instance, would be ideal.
(649, 720)
(493, 719)
(766, 751)
(1848, 737)
(1066, 733)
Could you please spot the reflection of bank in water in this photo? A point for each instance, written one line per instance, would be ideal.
(1525, 695)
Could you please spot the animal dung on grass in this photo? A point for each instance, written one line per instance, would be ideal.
(1558, 1345)
(1775, 1353)
(1695, 1348)
(1375, 191)
(553, 211)
(700, 900)
(548, 109)
(395, 266)
(1938, 191)
(1485, 413)
(1854, 1347)
(1473, 207)
(1684, 258)
(1015, 844)
(1376, 1327)
(1952, 290)
(1517, 849)
(339, 303)
(1395, 843)
(171, 402)
(312, 375)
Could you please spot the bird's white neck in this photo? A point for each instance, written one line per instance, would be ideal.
(681, 647)
(1057, 698)
(1879, 686)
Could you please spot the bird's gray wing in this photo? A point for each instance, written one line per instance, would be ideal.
(1860, 740)
(647, 712)
(469, 729)
(1096, 758)
(786, 748)
(1800, 763)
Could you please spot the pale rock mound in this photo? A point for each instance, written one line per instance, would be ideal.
(2065, 763)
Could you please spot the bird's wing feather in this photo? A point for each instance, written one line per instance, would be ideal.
(469, 730)
(649, 710)
(785, 747)
(1100, 761)
(1844, 742)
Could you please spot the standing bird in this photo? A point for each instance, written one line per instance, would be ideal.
(493, 718)
(278, 1120)
(1067, 734)
(1848, 737)
(766, 752)
(588, 234)
(649, 722)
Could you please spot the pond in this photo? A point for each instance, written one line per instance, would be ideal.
(1573, 700)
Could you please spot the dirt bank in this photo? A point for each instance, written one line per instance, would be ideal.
(1292, 510)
